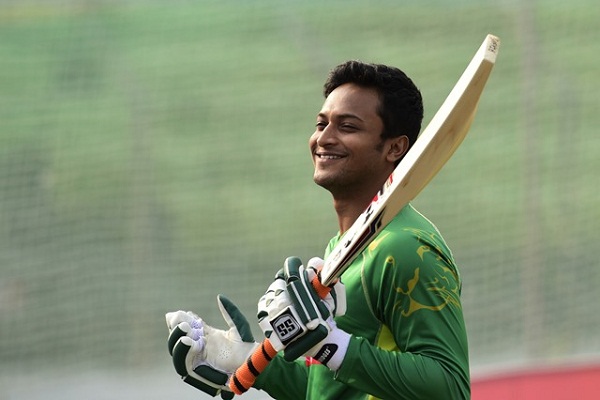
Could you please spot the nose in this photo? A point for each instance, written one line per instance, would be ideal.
(325, 136)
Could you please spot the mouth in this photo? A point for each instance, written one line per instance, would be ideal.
(326, 156)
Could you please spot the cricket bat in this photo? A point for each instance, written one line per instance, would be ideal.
(434, 146)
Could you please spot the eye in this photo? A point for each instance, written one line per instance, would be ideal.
(348, 128)
(321, 125)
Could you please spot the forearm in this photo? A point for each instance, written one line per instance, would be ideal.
(283, 379)
(395, 375)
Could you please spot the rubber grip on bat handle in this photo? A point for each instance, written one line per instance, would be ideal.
(245, 376)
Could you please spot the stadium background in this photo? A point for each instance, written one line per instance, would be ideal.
(153, 154)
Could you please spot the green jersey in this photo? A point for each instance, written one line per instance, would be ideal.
(405, 316)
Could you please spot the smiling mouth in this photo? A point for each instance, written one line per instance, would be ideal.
(328, 156)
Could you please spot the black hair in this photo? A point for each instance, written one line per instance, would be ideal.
(401, 107)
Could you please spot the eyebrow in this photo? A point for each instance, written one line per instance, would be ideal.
(341, 116)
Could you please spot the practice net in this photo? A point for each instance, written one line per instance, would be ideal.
(154, 154)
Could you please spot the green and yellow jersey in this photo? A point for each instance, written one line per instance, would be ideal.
(405, 316)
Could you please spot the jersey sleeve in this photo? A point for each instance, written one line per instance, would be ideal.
(413, 286)
(284, 379)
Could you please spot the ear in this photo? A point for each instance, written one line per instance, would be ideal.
(398, 147)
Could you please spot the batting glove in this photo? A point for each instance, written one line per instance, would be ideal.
(295, 319)
(206, 357)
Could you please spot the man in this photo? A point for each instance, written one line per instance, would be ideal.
(402, 335)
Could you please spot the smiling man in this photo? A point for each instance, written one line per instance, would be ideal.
(395, 328)
(351, 157)
(403, 333)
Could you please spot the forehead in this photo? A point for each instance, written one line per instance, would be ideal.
(351, 99)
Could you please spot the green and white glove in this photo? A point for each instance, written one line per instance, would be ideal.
(206, 357)
(295, 319)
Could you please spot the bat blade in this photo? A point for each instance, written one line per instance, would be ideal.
(434, 146)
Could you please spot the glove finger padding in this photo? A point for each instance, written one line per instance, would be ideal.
(309, 305)
(277, 316)
(325, 342)
(312, 312)
(336, 298)
(180, 324)
(176, 334)
(237, 322)
(203, 377)
(297, 320)
(272, 304)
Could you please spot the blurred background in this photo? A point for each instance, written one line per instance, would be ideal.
(153, 154)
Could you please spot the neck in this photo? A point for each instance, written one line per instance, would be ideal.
(348, 209)
(351, 201)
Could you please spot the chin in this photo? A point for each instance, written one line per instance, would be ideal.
(329, 183)
(321, 181)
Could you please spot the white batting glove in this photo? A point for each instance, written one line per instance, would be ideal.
(206, 357)
(294, 318)
(274, 302)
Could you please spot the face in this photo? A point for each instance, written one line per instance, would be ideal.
(348, 152)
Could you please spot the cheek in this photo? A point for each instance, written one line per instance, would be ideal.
(372, 158)
(312, 141)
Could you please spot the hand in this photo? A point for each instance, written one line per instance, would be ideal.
(302, 322)
(206, 357)
(335, 300)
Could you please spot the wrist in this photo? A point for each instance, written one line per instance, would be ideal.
(332, 352)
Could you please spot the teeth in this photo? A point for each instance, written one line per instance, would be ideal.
(329, 157)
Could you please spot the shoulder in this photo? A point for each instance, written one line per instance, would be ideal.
(408, 235)
(409, 243)
(411, 234)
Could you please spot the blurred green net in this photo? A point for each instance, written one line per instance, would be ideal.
(153, 154)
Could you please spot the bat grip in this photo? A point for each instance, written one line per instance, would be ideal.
(245, 376)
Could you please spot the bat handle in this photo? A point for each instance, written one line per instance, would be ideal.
(245, 376)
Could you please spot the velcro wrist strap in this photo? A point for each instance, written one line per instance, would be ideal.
(334, 350)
